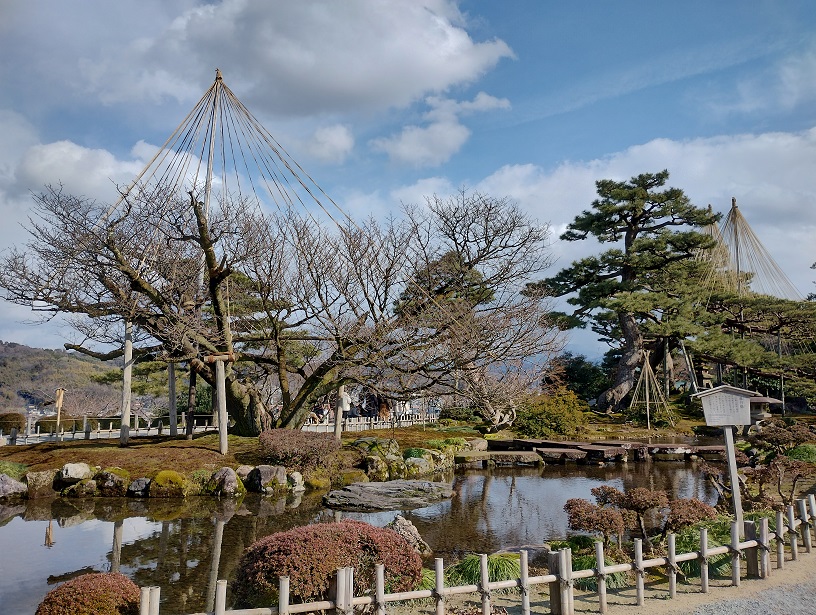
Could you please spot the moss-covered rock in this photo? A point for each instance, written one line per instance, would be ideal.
(317, 480)
(355, 475)
(167, 484)
(377, 446)
(83, 489)
(112, 482)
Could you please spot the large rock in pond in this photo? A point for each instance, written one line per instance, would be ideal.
(408, 531)
(266, 479)
(72, 473)
(41, 484)
(393, 495)
(10, 488)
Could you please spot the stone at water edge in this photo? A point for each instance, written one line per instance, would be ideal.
(408, 531)
(392, 495)
(10, 488)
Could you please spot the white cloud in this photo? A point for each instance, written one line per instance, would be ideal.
(287, 58)
(331, 143)
(445, 135)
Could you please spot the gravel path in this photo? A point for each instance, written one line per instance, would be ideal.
(796, 599)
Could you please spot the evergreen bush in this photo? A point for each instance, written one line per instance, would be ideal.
(803, 452)
(310, 556)
(298, 450)
(12, 420)
(500, 567)
(544, 416)
(93, 594)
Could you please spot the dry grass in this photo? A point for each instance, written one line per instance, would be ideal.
(144, 456)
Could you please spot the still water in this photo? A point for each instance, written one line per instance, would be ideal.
(172, 543)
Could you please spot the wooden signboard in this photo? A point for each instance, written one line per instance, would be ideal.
(726, 405)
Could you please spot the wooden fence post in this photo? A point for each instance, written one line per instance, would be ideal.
(340, 591)
(600, 570)
(484, 583)
(639, 572)
(765, 549)
(379, 590)
(144, 600)
(525, 585)
(794, 536)
(567, 597)
(704, 560)
(155, 598)
(283, 595)
(672, 566)
(221, 597)
(349, 605)
(780, 540)
(751, 553)
(735, 554)
(803, 517)
(439, 571)
(554, 566)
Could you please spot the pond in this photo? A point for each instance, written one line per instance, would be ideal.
(170, 543)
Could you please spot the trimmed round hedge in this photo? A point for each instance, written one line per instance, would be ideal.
(102, 593)
(310, 556)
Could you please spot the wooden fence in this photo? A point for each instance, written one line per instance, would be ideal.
(792, 531)
(363, 423)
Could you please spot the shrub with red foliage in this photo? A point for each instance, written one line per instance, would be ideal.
(310, 556)
(684, 513)
(93, 594)
(585, 516)
(298, 450)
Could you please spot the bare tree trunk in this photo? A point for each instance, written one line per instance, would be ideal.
(631, 360)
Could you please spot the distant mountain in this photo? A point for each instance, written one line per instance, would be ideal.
(32, 375)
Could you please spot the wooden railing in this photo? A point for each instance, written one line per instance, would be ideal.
(793, 529)
(154, 429)
(363, 423)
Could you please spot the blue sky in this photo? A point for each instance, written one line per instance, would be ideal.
(392, 101)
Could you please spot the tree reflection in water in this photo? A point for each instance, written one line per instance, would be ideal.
(184, 546)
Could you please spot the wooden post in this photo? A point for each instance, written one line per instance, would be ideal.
(379, 590)
(155, 598)
(220, 597)
(340, 592)
(751, 553)
(554, 566)
(339, 406)
(704, 560)
(349, 605)
(601, 574)
(439, 574)
(116, 550)
(144, 600)
(86, 427)
(221, 391)
(765, 549)
(736, 496)
(780, 540)
(735, 554)
(484, 582)
(570, 610)
(805, 525)
(639, 572)
(172, 406)
(283, 595)
(672, 566)
(191, 404)
(60, 395)
(794, 536)
(127, 373)
(525, 585)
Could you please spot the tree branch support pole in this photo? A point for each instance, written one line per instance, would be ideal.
(127, 374)
(171, 402)
(736, 496)
(58, 399)
(221, 396)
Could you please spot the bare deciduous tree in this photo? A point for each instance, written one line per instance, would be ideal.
(308, 305)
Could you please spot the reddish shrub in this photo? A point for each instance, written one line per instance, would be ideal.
(93, 594)
(584, 516)
(310, 556)
(684, 513)
(298, 450)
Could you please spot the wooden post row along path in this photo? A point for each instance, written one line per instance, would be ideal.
(792, 531)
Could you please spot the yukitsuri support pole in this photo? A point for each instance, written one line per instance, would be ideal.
(803, 516)
(735, 554)
(639, 572)
(554, 566)
(524, 581)
(672, 566)
(439, 573)
(221, 597)
(780, 540)
(484, 583)
(764, 549)
(794, 536)
(704, 560)
(751, 553)
(600, 571)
